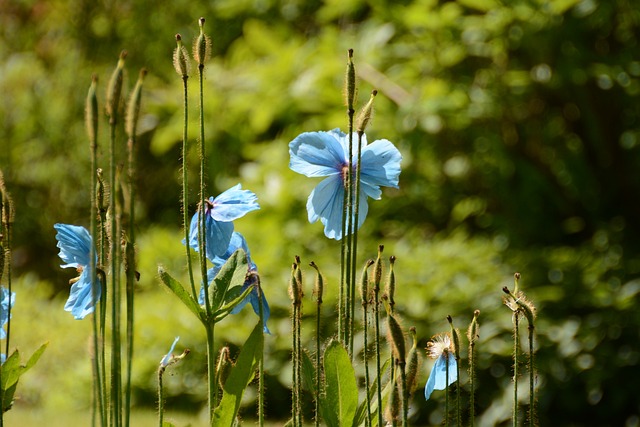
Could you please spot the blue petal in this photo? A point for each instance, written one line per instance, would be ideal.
(211, 274)
(380, 164)
(218, 237)
(316, 154)
(167, 358)
(233, 204)
(3, 358)
(75, 245)
(4, 309)
(236, 242)
(326, 203)
(438, 376)
(80, 302)
(255, 303)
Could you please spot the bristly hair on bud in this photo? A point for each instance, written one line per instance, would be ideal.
(181, 60)
(223, 369)
(455, 335)
(365, 114)
(473, 333)
(350, 89)
(396, 339)
(364, 282)
(91, 112)
(133, 108)
(390, 287)
(318, 289)
(377, 268)
(114, 89)
(413, 362)
(202, 46)
(294, 288)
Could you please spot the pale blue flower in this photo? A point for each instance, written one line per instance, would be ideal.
(6, 301)
(238, 242)
(3, 358)
(440, 348)
(316, 154)
(219, 214)
(75, 248)
(167, 358)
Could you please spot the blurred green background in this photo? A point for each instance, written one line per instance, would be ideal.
(519, 124)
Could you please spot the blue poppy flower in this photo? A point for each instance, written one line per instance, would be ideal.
(238, 242)
(316, 154)
(219, 214)
(6, 301)
(75, 248)
(441, 349)
(167, 358)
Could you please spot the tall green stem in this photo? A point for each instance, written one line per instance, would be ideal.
(185, 184)
(532, 391)
(160, 398)
(376, 315)
(446, 390)
(516, 345)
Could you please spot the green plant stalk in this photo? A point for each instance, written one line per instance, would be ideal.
(365, 357)
(99, 191)
(516, 344)
(318, 372)
(7, 222)
(446, 392)
(299, 363)
(376, 314)
(405, 394)
(472, 377)
(356, 211)
(261, 364)
(211, 369)
(160, 398)
(532, 400)
(185, 184)
(343, 251)
(92, 124)
(116, 386)
(296, 360)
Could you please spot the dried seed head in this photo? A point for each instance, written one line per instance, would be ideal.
(377, 269)
(438, 345)
(364, 282)
(392, 411)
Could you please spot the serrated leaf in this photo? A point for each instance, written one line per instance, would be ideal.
(341, 397)
(232, 273)
(241, 375)
(182, 294)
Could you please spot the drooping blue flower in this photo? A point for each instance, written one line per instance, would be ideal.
(6, 301)
(316, 154)
(219, 214)
(167, 357)
(238, 242)
(440, 348)
(75, 250)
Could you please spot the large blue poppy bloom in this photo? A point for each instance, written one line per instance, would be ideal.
(238, 242)
(219, 214)
(75, 248)
(441, 349)
(6, 301)
(315, 154)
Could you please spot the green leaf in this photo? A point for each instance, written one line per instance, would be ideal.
(241, 374)
(238, 296)
(12, 371)
(373, 391)
(179, 291)
(232, 273)
(341, 397)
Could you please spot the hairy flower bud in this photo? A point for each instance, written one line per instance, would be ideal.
(181, 60)
(365, 114)
(114, 89)
(202, 46)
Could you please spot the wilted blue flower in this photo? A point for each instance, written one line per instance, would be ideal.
(75, 248)
(317, 154)
(167, 358)
(238, 242)
(219, 214)
(6, 301)
(441, 349)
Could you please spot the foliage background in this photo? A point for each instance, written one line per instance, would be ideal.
(518, 122)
